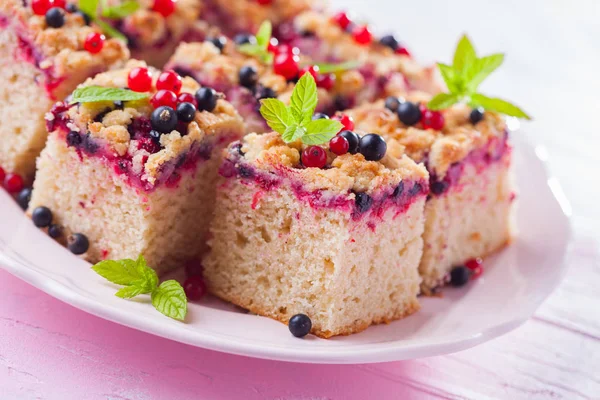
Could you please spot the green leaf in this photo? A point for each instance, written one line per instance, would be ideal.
(250, 49)
(89, 7)
(452, 79)
(276, 114)
(120, 11)
(464, 56)
(304, 99)
(149, 276)
(129, 291)
(120, 272)
(498, 105)
(325, 68)
(442, 101)
(481, 69)
(320, 131)
(293, 133)
(94, 94)
(110, 31)
(170, 299)
(263, 36)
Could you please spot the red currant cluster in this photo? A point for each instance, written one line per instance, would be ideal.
(194, 285)
(13, 183)
(168, 86)
(285, 63)
(164, 7)
(431, 119)
(315, 156)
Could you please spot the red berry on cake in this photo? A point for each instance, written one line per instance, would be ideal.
(169, 80)
(312, 69)
(286, 65)
(187, 98)
(362, 35)
(164, 7)
(432, 120)
(139, 80)
(13, 183)
(346, 120)
(314, 157)
(94, 42)
(339, 145)
(342, 20)
(40, 7)
(164, 98)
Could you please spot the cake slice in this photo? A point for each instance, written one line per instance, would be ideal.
(468, 156)
(134, 176)
(339, 242)
(44, 55)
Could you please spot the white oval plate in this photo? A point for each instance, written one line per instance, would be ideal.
(516, 281)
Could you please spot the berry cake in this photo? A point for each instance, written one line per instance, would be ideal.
(245, 80)
(45, 52)
(300, 230)
(136, 177)
(468, 156)
(386, 66)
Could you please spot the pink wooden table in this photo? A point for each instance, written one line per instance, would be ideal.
(49, 350)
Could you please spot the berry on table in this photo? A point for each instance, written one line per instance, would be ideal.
(164, 98)
(206, 98)
(320, 116)
(392, 103)
(476, 267)
(24, 197)
(459, 276)
(244, 38)
(13, 183)
(219, 42)
(314, 156)
(476, 115)
(41, 7)
(342, 20)
(248, 76)
(432, 120)
(55, 17)
(78, 243)
(94, 42)
(186, 112)
(169, 80)
(346, 120)
(164, 119)
(353, 140)
(339, 145)
(362, 35)
(41, 217)
(187, 98)
(409, 113)
(194, 287)
(55, 231)
(193, 268)
(389, 41)
(164, 7)
(286, 65)
(139, 80)
(372, 147)
(300, 325)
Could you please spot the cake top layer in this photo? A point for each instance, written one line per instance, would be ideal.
(127, 130)
(440, 148)
(348, 172)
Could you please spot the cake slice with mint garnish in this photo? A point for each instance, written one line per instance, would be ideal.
(463, 140)
(314, 228)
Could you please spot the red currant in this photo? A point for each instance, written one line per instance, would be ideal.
(169, 80)
(342, 20)
(346, 120)
(403, 51)
(164, 98)
(287, 49)
(339, 145)
(13, 183)
(264, 2)
(326, 81)
(314, 156)
(474, 263)
(432, 120)
(164, 7)
(2, 174)
(313, 70)
(94, 42)
(139, 80)
(194, 268)
(194, 287)
(40, 7)
(187, 98)
(476, 273)
(60, 4)
(273, 46)
(286, 65)
(362, 35)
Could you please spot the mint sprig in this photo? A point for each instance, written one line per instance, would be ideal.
(464, 77)
(94, 94)
(260, 49)
(328, 68)
(137, 278)
(120, 11)
(295, 122)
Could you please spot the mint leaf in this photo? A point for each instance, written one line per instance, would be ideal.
(276, 114)
(94, 94)
(129, 291)
(119, 11)
(170, 299)
(325, 68)
(442, 101)
(260, 49)
(293, 133)
(110, 31)
(482, 68)
(120, 272)
(320, 131)
(464, 56)
(452, 79)
(304, 99)
(263, 36)
(89, 7)
(498, 105)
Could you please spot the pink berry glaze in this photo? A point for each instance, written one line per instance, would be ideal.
(170, 174)
(359, 205)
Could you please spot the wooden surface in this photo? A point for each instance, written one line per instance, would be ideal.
(49, 350)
